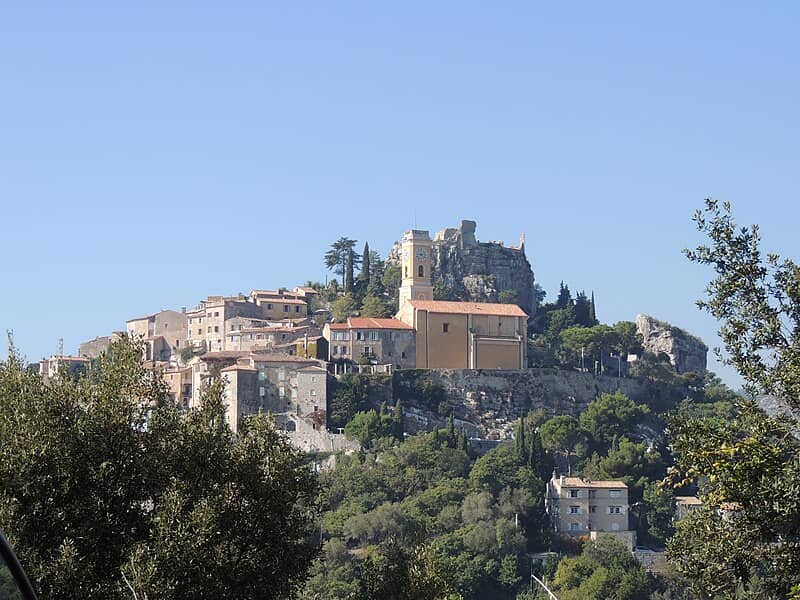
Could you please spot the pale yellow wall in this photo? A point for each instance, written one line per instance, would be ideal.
(446, 350)
(497, 354)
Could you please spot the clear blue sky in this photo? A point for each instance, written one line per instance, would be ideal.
(154, 153)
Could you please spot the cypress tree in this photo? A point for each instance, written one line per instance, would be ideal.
(365, 264)
(592, 311)
(451, 430)
(521, 453)
(398, 419)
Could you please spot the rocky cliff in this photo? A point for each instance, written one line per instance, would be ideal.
(486, 402)
(685, 351)
(465, 269)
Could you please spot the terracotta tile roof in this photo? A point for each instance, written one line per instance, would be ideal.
(371, 323)
(588, 483)
(239, 368)
(465, 308)
(690, 500)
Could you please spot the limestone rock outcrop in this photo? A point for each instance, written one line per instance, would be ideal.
(686, 352)
(468, 270)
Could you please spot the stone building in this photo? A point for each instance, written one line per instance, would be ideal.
(467, 335)
(73, 366)
(581, 507)
(686, 352)
(206, 322)
(164, 333)
(376, 341)
(99, 345)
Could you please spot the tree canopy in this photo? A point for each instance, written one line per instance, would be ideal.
(110, 490)
(747, 468)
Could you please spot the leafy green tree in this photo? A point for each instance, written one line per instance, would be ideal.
(344, 307)
(111, 491)
(338, 258)
(632, 462)
(747, 468)
(350, 395)
(369, 425)
(563, 435)
(508, 297)
(629, 338)
(610, 416)
(374, 306)
(392, 277)
(605, 569)
(657, 513)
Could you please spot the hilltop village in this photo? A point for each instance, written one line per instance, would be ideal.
(469, 341)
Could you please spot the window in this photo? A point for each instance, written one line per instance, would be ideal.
(614, 510)
(281, 392)
(209, 329)
(574, 527)
(336, 349)
(216, 328)
(445, 327)
(405, 272)
(261, 375)
(574, 510)
(367, 350)
(344, 350)
(313, 392)
(615, 493)
(574, 493)
(316, 408)
(593, 509)
(261, 391)
(359, 335)
(216, 314)
(199, 332)
(421, 271)
(297, 309)
(285, 308)
(374, 336)
(592, 493)
(269, 306)
(402, 355)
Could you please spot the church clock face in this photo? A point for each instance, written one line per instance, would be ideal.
(421, 254)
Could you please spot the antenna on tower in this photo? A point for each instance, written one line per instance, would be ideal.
(61, 346)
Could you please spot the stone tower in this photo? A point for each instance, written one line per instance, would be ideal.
(415, 263)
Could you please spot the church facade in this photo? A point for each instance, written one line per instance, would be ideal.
(456, 335)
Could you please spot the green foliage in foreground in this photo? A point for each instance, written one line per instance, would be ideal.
(417, 520)
(747, 541)
(109, 490)
(605, 569)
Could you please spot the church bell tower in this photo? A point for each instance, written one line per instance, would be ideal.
(415, 263)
